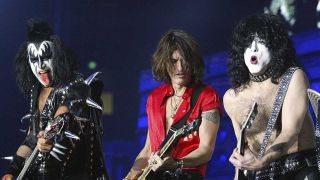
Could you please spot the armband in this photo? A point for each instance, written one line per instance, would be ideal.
(15, 166)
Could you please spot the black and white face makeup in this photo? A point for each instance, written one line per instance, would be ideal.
(40, 59)
(257, 56)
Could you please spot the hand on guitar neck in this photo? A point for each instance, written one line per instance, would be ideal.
(240, 155)
(158, 163)
(155, 163)
(160, 159)
(44, 145)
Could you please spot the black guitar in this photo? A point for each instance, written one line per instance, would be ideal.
(246, 124)
(186, 129)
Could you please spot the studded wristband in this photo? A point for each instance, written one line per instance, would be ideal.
(180, 164)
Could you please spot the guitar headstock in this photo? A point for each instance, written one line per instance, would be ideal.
(186, 129)
(249, 118)
(56, 126)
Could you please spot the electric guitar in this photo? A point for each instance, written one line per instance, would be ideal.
(186, 129)
(53, 128)
(246, 124)
(314, 98)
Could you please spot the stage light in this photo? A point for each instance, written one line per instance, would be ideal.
(92, 65)
(222, 135)
(223, 157)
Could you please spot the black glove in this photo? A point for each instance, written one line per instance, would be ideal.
(15, 166)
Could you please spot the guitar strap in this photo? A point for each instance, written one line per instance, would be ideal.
(277, 106)
(194, 98)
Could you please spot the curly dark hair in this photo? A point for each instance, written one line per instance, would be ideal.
(64, 63)
(270, 29)
(188, 48)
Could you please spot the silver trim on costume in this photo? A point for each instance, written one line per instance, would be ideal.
(90, 78)
(55, 155)
(59, 146)
(27, 116)
(283, 87)
(10, 158)
(81, 119)
(71, 135)
(91, 103)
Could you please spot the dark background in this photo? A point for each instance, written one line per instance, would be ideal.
(120, 36)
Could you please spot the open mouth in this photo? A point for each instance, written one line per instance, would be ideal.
(254, 60)
(45, 76)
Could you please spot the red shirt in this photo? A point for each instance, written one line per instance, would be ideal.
(156, 110)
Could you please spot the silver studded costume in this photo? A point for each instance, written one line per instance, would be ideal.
(77, 148)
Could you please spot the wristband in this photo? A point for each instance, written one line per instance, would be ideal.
(180, 164)
(15, 166)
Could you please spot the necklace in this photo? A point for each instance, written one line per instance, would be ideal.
(175, 104)
(262, 77)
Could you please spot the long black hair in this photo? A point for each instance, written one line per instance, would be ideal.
(270, 29)
(64, 63)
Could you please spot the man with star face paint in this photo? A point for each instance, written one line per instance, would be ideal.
(178, 62)
(65, 133)
(280, 144)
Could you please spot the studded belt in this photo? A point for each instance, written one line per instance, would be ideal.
(288, 164)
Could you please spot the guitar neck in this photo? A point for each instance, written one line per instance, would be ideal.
(241, 144)
(162, 151)
(167, 146)
(145, 173)
(239, 173)
(28, 163)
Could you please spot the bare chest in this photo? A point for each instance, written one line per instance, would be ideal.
(264, 96)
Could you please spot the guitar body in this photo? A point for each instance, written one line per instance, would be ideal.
(241, 175)
(167, 146)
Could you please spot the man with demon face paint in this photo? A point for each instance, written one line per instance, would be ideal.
(40, 59)
(65, 129)
(280, 144)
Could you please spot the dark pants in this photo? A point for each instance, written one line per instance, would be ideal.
(178, 175)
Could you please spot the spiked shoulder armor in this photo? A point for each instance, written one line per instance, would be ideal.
(77, 93)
